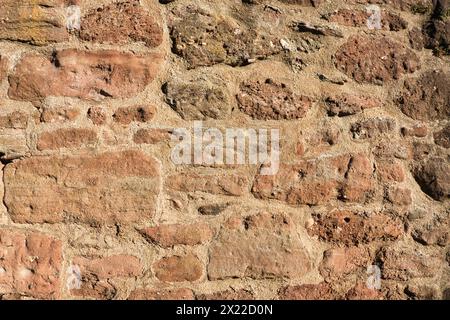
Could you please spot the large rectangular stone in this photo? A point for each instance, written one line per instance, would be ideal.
(108, 188)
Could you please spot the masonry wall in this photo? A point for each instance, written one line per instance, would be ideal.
(94, 207)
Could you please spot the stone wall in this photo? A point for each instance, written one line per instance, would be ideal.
(94, 207)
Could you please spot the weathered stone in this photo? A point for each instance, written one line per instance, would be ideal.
(13, 144)
(95, 273)
(271, 100)
(121, 265)
(359, 184)
(321, 291)
(359, 18)
(422, 292)
(346, 104)
(418, 131)
(437, 36)
(3, 64)
(416, 38)
(320, 30)
(205, 39)
(127, 115)
(442, 137)
(81, 74)
(163, 294)
(198, 98)
(231, 294)
(390, 171)
(361, 292)
(178, 268)
(415, 6)
(399, 196)
(152, 136)
(212, 209)
(375, 59)
(296, 184)
(230, 184)
(66, 138)
(259, 246)
(404, 264)
(120, 23)
(63, 114)
(108, 188)
(30, 264)
(422, 151)
(305, 3)
(353, 228)
(36, 22)
(97, 115)
(426, 98)
(339, 262)
(14, 120)
(372, 128)
(314, 182)
(387, 150)
(435, 232)
(433, 176)
(175, 234)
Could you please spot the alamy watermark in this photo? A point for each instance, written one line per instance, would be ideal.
(235, 146)
(373, 277)
(73, 18)
(374, 20)
(74, 279)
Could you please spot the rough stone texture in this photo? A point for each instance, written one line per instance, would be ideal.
(433, 176)
(442, 137)
(426, 98)
(30, 264)
(127, 115)
(178, 268)
(372, 128)
(321, 291)
(403, 264)
(66, 138)
(109, 267)
(81, 74)
(121, 23)
(14, 120)
(232, 185)
(271, 100)
(375, 59)
(106, 188)
(3, 64)
(92, 205)
(351, 228)
(263, 246)
(53, 115)
(170, 235)
(241, 294)
(347, 17)
(151, 136)
(315, 182)
(97, 115)
(203, 38)
(96, 274)
(346, 105)
(434, 232)
(418, 131)
(436, 34)
(170, 294)
(36, 22)
(198, 99)
(339, 262)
